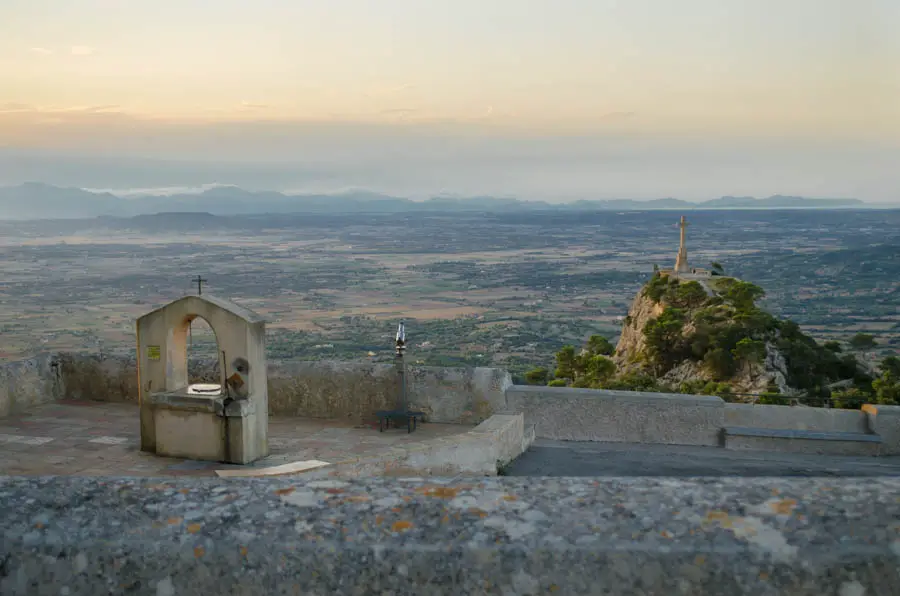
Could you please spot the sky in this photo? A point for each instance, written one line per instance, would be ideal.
(551, 99)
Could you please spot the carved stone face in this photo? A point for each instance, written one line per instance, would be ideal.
(238, 380)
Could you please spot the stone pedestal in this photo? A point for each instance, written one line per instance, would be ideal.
(231, 426)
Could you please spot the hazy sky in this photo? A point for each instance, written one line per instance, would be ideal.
(689, 98)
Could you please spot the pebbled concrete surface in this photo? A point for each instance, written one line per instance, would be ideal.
(564, 458)
(507, 536)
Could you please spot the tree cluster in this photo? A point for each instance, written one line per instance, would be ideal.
(589, 367)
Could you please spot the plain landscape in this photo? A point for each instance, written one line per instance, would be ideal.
(501, 288)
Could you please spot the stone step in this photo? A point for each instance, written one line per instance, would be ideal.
(800, 441)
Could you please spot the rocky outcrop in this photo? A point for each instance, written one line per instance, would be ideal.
(631, 355)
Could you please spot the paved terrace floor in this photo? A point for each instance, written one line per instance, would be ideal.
(561, 458)
(102, 439)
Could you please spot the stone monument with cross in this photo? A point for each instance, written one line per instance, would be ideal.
(682, 269)
(227, 422)
(681, 261)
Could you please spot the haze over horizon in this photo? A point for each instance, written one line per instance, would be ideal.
(543, 100)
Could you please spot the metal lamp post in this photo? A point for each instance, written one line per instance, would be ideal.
(400, 348)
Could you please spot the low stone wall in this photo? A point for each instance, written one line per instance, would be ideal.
(331, 389)
(91, 377)
(483, 451)
(28, 383)
(568, 414)
(523, 536)
(320, 389)
(796, 418)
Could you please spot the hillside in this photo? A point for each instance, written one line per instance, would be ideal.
(710, 337)
(688, 336)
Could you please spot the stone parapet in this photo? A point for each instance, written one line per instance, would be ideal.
(313, 389)
(336, 389)
(80, 536)
(568, 414)
(28, 383)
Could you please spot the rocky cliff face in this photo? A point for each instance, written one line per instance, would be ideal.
(629, 354)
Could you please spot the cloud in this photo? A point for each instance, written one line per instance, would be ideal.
(253, 106)
(398, 111)
(15, 107)
(100, 108)
(81, 50)
(41, 51)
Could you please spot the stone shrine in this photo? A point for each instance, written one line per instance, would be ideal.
(226, 423)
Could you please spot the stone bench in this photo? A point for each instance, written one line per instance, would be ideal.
(86, 536)
(801, 441)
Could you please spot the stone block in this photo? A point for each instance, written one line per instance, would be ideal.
(885, 422)
(189, 434)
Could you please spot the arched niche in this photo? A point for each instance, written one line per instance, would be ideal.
(204, 368)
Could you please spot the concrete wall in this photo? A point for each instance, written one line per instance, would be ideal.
(619, 416)
(796, 418)
(28, 383)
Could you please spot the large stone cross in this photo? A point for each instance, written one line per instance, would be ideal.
(681, 264)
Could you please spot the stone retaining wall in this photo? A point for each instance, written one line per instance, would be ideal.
(523, 536)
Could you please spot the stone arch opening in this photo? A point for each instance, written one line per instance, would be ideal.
(202, 357)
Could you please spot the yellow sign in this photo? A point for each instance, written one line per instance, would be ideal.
(153, 352)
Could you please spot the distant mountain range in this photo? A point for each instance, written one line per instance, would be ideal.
(43, 201)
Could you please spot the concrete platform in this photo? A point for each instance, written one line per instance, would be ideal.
(102, 439)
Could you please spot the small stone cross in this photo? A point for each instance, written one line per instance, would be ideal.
(199, 281)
